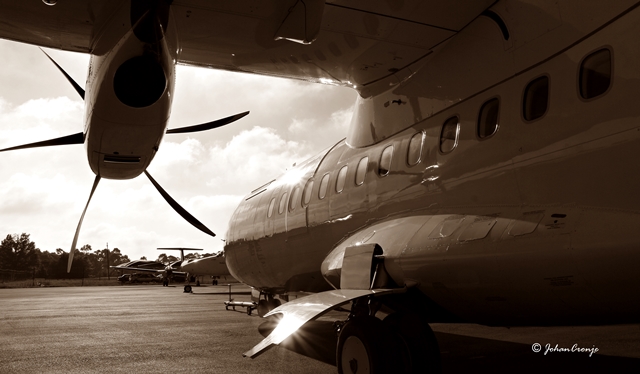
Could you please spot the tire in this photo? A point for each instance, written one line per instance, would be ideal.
(187, 289)
(366, 345)
(263, 307)
(418, 343)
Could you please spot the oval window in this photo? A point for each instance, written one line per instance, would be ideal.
(342, 177)
(536, 99)
(595, 74)
(295, 195)
(283, 202)
(324, 183)
(488, 118)
(361, 171)
(271, 205)
(385, 161)
(415, 149)
(449, 135)
(306, 194)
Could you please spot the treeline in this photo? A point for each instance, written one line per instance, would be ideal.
(19, 254)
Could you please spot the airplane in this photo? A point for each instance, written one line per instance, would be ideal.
(213, 266)
(487, 175)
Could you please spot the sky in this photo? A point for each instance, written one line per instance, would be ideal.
(43, 190)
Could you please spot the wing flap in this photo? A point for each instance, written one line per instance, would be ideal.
(300, 311)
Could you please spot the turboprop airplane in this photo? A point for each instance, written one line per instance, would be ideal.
(487, 175)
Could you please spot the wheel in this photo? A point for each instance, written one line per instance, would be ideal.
(187, 289)
(366, 345)
(263, 307)
(273, 303)
(421, 353)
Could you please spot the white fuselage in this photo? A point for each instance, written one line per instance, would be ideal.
(535, 224)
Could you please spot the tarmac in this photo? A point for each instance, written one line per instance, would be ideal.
(150, 329)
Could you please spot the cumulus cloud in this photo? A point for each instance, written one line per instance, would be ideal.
(43, 191)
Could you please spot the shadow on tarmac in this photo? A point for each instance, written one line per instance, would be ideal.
(465, 354)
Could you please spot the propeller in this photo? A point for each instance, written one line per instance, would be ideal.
(79, 138)
(75, 85)
(63, 140)
(180, 210)
(75, 237)
(208, 125)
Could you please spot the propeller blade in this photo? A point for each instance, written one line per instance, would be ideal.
(64, 140)
(208, 125)
(180, 210)
(75, 85)
(75, 237)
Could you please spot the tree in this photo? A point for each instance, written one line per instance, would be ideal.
(166, 259)
(18, 252)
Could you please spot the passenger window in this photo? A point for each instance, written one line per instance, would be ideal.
(324, 183)
(283, 202)
(415, 148)
(271, 205)
(342, 176)
(536, 99)
(295, 195)
(488, 118)
(595, 74)
(306, 194)
(361, 171)
(449, 134)
(385, 161)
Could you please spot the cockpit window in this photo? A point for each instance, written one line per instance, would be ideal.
(385, 161)
(342, 176)
(324, 183)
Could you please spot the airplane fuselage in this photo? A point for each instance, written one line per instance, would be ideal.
(533, 222)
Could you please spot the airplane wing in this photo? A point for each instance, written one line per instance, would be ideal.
(343, 42)
(143, 270)
(300, 311)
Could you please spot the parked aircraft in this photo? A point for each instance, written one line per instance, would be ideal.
(213, 266)
(487, 175)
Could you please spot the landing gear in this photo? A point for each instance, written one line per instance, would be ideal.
(402, 343)
(187, 289)
(267, 305)
(420, 350)
(365, 345)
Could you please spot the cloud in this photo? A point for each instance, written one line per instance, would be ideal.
(43, 191)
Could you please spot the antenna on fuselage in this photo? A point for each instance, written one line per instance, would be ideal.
(181, 250)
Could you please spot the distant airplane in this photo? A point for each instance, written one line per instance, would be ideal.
(213, 266)
(488, 174)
